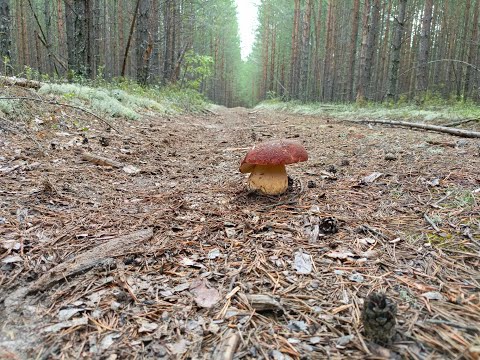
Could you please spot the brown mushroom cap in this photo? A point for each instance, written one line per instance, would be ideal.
(274, 152)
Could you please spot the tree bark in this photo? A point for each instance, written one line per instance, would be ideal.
(5, 37)
(70, 26)
(144, 44)
(472, 53)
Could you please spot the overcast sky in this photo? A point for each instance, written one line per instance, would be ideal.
(247, 21)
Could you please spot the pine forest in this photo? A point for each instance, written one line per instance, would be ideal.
(239, 179)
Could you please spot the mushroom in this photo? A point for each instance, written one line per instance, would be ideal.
(266, 163)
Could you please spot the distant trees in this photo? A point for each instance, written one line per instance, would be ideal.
(369, 49)
(146, 40)
(307, 50)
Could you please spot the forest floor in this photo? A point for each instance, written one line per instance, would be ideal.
(143, 242)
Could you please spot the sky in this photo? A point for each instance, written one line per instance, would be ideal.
(247, 22)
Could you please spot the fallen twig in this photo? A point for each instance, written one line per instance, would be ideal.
(226, 349)
(100, 160)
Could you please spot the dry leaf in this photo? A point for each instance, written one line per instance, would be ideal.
(340, 254)
(147, 327)
(370, 178)
(204, 295)
(302, 263)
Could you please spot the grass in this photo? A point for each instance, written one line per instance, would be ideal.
(432, 110)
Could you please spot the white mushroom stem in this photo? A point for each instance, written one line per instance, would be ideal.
(268, 179)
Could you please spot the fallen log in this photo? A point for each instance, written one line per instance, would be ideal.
(442, 129)
(13, 80)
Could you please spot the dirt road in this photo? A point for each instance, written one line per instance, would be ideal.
(217, 268)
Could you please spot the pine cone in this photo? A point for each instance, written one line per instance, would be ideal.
(328, 225)
(379, 318)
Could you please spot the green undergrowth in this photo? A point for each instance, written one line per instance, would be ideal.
(127, 99)
(438, 111)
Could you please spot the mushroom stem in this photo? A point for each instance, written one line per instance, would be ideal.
(268, 179)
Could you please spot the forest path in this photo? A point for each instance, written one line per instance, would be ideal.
(380, 185)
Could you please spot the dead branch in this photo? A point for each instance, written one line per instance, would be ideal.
(100, 160)
(442, 129)
(54, 102)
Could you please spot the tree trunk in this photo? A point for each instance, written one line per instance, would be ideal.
(474, 42)
(371, 43)
(396, 45)
(422, 70)
(362, 81)
(316, 59)
(62, 41)
(329, 55)
(48, 35)
(70, 26)
(352, 50)
(129, 41)
(294, 56)
(5, 37)
(169, 40)
(144, 45)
